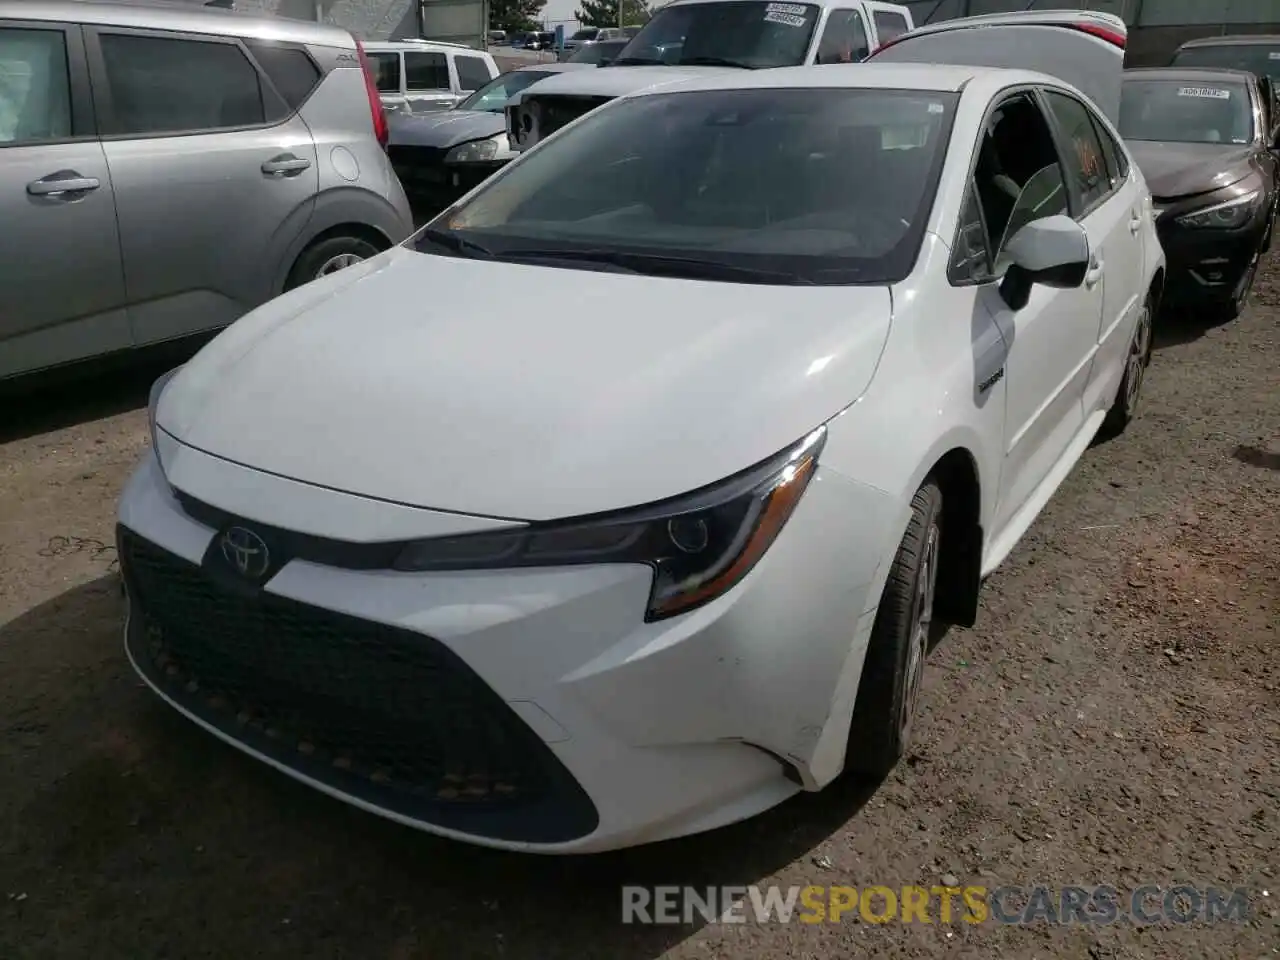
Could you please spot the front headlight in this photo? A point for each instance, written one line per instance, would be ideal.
(699, 545)
(476, 151)
(153, 401)
(1223, 216)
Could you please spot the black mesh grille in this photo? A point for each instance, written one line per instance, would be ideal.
(386, 715)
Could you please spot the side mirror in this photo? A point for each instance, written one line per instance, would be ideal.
(1053, 252)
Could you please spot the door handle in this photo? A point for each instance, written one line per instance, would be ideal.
(1094, 274)
(1135, 223)
(61, 183)
(284, 165)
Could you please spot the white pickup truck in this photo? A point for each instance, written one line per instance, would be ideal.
(690, 38)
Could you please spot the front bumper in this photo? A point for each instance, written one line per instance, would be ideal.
(530, 709)
(1206, 266)
(430, 183)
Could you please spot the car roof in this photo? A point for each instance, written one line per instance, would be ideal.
(413, 44)
(1238, 39)
(177, 16)
(1222, 74)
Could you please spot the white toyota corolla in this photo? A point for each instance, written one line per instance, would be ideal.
(621, 502)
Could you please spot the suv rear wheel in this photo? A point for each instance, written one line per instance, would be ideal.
(329, 256)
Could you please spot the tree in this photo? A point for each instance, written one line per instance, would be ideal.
(515, 15)
(604, 13)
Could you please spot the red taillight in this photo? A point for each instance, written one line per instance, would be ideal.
(1102, 33)
(380, 131)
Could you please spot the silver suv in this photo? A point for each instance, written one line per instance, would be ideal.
(165, 170)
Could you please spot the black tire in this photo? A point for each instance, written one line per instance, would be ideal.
(889, 689)
(1128, 397)
(320, 258)
(1232, 308)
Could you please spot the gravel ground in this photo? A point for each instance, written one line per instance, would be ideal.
(1113, 719)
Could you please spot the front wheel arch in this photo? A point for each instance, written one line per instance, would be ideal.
(960, 556)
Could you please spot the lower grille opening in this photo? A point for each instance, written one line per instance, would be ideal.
(383, 715)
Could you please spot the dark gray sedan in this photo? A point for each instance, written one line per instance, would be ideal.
(441, 155)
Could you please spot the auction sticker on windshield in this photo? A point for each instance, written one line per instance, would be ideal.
(790, 19)
(1207, 92)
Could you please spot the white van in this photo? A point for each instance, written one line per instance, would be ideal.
(689, 38)
(420, 76)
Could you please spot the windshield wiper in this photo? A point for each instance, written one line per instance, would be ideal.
(451, 241)
(637, 61)
(657, 265)
(715, 62)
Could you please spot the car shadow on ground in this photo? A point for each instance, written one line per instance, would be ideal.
(64, 397)
(1174, 327)
(125, 824)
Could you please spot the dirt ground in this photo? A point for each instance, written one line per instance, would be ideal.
(1113, 719)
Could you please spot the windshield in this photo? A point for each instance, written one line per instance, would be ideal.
(491, 97)
(598, 52)
(1262, 59)
(1185, 111)
(829, 186)
(726, 33)
(586, 34)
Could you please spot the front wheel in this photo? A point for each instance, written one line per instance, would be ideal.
(892, 675)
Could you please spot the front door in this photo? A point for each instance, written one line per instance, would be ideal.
(205, 177)
(62, 292)
(1019, 177)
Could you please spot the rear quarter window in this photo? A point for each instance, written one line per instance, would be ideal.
(290, 70)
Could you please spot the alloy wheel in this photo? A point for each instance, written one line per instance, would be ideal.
(1136, 365)
(920, 630)
(339, 262)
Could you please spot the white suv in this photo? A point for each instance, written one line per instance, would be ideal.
(424, 75)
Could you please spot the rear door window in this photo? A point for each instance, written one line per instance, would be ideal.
(426, 70)
(35, 91)
(473, 72)
(386, 70)
(161, 85)
(1112, 153)
(1087, 175)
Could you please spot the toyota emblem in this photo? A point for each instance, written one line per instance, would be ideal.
(246, 552)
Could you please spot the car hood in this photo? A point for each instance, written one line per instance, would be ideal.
(444, 128)
(1184, 169)
(578, 392)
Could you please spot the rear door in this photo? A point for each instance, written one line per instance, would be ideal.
(1109, 206)
(1084, 49)
(208, 161)
(61, 287)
